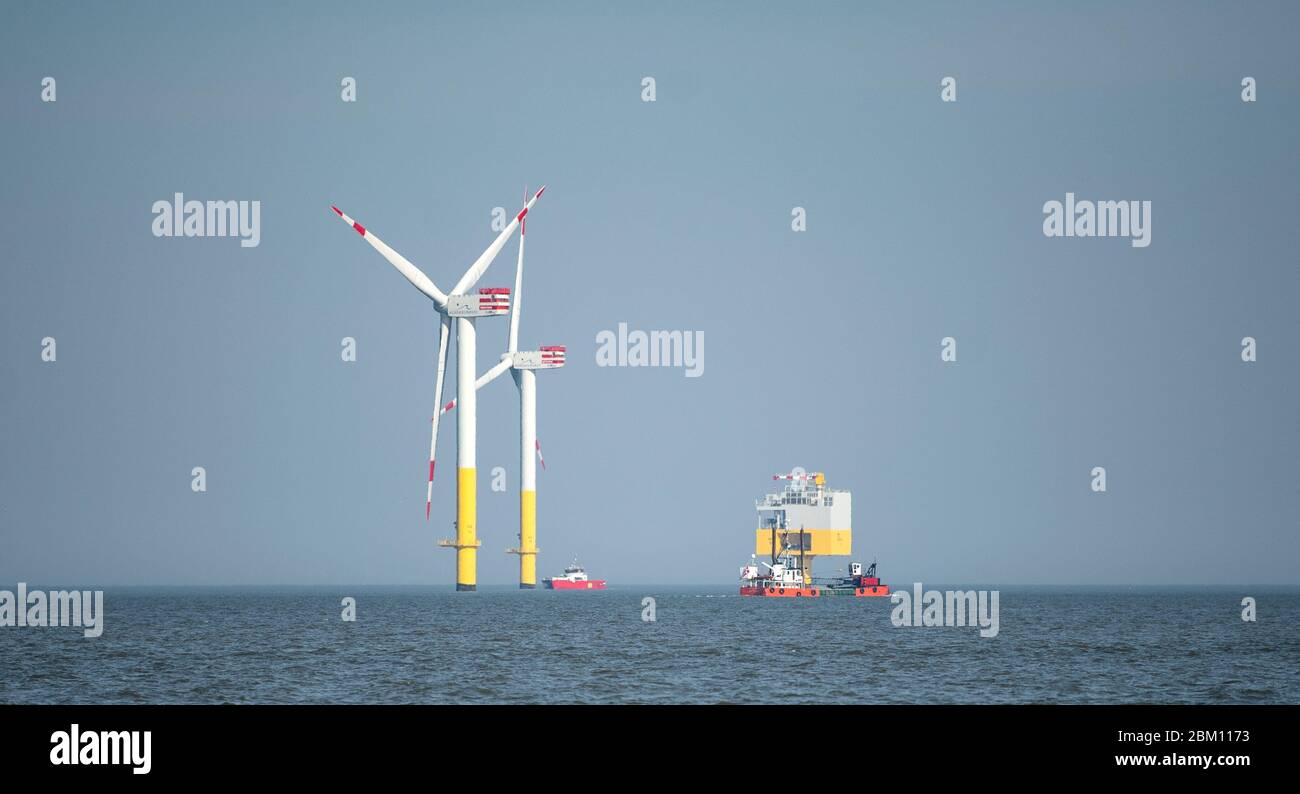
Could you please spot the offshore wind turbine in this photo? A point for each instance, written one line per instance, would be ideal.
(522, 365)
(464, 308)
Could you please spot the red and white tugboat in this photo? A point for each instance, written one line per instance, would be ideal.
(574, 578)
(785, 580)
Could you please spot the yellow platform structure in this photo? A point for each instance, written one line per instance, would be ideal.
(815, 543)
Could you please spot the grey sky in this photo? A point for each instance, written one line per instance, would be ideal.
(821, 348)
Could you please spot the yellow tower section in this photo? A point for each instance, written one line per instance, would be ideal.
(466, 543)
(527, 550)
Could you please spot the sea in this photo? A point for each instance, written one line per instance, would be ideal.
(702, 644)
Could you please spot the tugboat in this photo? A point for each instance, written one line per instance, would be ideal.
(785, 580)
(574, 578)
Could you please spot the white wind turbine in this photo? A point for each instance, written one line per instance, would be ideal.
(464, 308)
(522, 365)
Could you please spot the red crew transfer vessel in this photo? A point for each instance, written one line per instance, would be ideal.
(574, 578)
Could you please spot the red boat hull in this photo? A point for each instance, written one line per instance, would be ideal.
(862, 588)
(780, 592)
(565, 584)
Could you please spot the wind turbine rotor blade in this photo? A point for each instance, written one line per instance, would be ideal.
(412, 273)
(519, 286)
(492, 374)
(443, 334)
(476, 270)
(483, 380)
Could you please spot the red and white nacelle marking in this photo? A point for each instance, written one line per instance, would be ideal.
(549, 357)
(489, 302)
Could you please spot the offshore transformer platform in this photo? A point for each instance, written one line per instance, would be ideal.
(804, 521)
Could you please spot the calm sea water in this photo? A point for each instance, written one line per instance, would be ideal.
(708, 645)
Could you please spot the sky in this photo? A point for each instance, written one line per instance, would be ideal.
(821, 347)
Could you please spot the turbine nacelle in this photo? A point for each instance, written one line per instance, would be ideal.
(548, 357)
(489, 302)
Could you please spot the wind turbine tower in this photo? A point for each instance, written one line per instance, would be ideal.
(523, 366)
